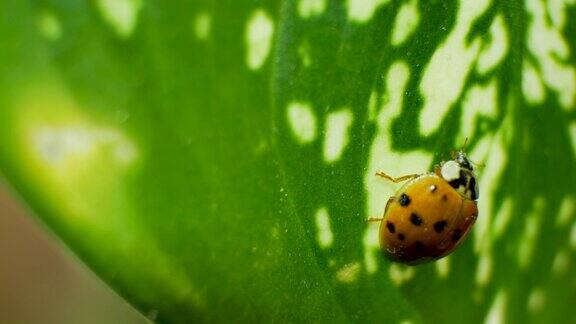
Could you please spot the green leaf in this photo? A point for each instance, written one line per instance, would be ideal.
(214, 161)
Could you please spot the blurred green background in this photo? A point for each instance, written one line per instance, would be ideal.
(42, 282)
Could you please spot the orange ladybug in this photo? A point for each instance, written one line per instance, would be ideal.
(431, 214)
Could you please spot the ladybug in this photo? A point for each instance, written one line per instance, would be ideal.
(431, 214)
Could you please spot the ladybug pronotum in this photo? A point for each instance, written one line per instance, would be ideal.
(431, 214)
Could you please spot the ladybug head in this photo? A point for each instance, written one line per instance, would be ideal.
(460, 175)
(463, 161)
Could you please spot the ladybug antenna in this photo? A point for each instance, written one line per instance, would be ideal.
(464, 145)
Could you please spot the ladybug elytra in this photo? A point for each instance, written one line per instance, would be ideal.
(431, 214)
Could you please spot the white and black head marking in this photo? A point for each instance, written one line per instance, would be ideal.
(459, 173)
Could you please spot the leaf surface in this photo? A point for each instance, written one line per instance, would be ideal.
(215, 161)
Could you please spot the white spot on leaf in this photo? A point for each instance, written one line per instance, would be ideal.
(573, 136)
(371, 251)
(337, 128)
(532, 86)
(399, 274)
(446, 73)
(259, 33)
(536, 300)
(202, 25)
(479, 154)
(363, 10)
(497, 312)
(479, 101)
(304, 53)
(567, 211)
(547, 44)
(373, 106)
(443, 267)
(406, 22)
(122, 15)
(302, 121)
(66, 146)
(531, 232)
(573, 236)
(49, 26)
(309, 8)
(502, 219)
(325, 236)
(557, 12)
(561, 262)
(484, 270)
(349, 273)
(495, 50)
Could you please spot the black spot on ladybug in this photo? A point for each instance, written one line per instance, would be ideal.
(401, 236)
(456, 235)
(419, 246)
(415, 219)
(439, 226)
(444, 198)
(404, 200)
(390, 226)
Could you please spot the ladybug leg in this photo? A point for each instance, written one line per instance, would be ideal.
(438, 170)
(396, 180)
(391, 199)
(379, 219)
